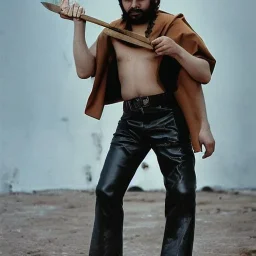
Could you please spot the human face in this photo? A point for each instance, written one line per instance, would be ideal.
(136, 10)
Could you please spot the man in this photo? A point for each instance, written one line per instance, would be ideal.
(156, 87)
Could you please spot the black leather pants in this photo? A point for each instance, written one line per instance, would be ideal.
(162, 129)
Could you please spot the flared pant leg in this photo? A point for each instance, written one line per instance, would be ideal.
(171, 144)
(126, 152)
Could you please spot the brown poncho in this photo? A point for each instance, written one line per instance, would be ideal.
(187, 91)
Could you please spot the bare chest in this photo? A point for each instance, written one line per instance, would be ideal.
(128, 52)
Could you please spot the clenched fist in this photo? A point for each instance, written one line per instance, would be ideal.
(71, 12)
(165, 46)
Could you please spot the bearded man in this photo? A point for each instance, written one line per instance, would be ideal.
(163, 110)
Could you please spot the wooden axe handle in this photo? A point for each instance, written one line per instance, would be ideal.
(126, 33)
(115, 34)
(122, 31)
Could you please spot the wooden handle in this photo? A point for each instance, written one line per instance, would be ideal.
(126, 38)
(56, 9)
(122, 31)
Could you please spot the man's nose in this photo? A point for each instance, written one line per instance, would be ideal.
(134, 4)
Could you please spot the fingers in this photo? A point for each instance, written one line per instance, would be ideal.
(71, 11)
(65, 10)
(157, 46)
(162, 46)
(80, 12)
(75, 9)
(207, 154)
(209, 149)
(161, 50)
(64, 3)
(156, 41)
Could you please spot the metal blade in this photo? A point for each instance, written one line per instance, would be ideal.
(51, 7)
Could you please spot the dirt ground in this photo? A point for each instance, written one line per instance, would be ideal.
(60, 223)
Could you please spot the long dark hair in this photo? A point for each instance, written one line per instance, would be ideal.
(154, 7)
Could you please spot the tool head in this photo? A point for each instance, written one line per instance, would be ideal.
(51, 7)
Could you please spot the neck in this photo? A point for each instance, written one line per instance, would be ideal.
(148, 26)
(138, 26)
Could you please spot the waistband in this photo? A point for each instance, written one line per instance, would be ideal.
(147, 101)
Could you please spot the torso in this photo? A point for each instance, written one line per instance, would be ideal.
(137, 69)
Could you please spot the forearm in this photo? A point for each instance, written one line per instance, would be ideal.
(84, 60)
(203, 113)
(198, 69)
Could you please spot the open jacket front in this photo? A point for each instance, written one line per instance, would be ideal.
(187, 91)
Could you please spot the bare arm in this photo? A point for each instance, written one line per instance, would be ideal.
(188, 88)
(205, 135)
(198, 69)
(84, 56)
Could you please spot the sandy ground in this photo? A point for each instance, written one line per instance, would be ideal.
(60, 223)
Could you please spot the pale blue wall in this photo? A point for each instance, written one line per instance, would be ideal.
(47, 142)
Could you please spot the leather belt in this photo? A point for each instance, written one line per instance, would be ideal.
(146, 101)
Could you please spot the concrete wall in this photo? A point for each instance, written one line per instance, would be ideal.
(46, 142)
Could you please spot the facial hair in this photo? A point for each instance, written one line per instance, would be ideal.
(136, 16)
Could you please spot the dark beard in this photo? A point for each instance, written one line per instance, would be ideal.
(142, 18)
(149, 16)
